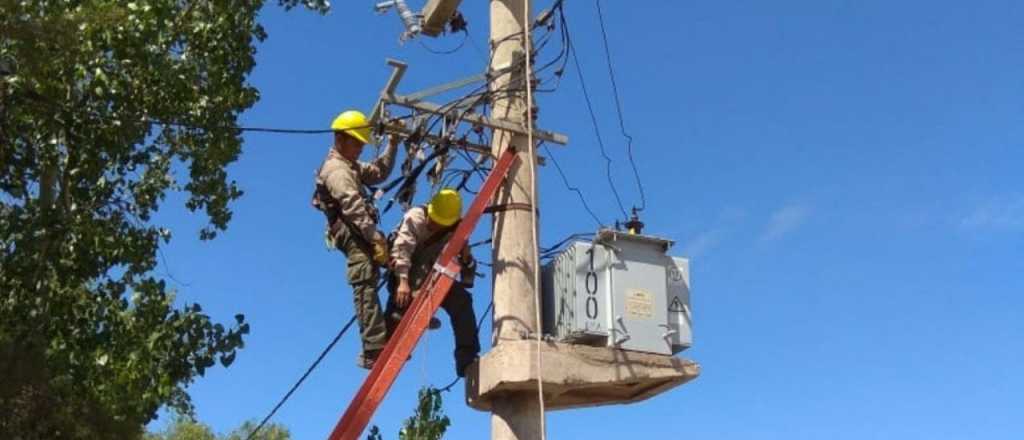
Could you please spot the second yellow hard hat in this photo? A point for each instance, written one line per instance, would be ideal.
(446, 207)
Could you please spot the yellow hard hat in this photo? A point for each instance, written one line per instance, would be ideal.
(446, 207)
(355, 124)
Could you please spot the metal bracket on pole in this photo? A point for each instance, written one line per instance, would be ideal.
(436, 14)
(411, 20)
(543, 135)
(414, 101)
(437, 90)
(389, 89)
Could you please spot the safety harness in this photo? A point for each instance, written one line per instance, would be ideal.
(324, 202)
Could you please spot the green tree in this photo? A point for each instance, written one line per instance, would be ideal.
(270, 431)
(185, 429)
(105, 107)
(428, 422)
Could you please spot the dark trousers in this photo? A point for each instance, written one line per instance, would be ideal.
(459, 307)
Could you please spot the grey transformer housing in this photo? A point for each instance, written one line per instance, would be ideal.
(621, 290)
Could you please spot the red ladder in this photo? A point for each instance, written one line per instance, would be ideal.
(428, 299)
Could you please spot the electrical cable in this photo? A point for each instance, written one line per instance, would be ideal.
(593, 120)
(579, 192)
(303, 378)
(407, 181)
(479, 322)
(41, 99)
(476, 47)
(571, 237)
(618, 108)
(481, 243)
(450, 385)
(465, 36)
(562, 52)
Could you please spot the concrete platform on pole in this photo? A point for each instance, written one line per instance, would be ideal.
(575, 376)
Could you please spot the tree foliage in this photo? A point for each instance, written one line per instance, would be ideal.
(270, 431)
(182, 428)
(186, 429)
(105, 107)
(427, 422)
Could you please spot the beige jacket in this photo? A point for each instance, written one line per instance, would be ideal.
(414, 229)
(346, 180)
(415, 239)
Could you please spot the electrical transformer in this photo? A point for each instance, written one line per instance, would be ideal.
(621, 290)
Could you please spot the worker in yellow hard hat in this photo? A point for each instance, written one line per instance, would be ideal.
(418, 241)
(352, 219)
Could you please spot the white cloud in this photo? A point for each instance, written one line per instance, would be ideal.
(784, 221)
(702, 243)
(715, 234)
(997, 214)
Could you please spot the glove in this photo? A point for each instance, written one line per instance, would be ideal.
(380, 250)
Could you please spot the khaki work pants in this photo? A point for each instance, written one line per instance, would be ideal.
(363, 277)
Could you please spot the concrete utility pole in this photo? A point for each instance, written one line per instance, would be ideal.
(515, 416)
(609, 366)
(510, 378)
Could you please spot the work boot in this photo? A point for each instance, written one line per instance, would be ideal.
(367, 358)
(462, 365)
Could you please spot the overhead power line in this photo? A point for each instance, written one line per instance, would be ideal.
(247, 129)
(153, 121)
(618, 108)
(570, 187)
(465, 36)
(303, 378)
(593, 118)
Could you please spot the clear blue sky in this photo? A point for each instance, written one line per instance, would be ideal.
(844, 175)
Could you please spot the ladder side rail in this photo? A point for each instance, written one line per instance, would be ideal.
(412, 330)
(426, 303)
(379, 369)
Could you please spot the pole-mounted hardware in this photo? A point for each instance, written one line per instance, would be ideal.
(430, 21)
(436, 14)
(410, 19)
(415, 102)
(634, 225)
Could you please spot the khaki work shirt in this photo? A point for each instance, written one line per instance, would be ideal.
(412, 234)
(347, 180)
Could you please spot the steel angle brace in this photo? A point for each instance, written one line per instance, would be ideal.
(397, 73)
(437, 90)
(389, 89)
(414, 102)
